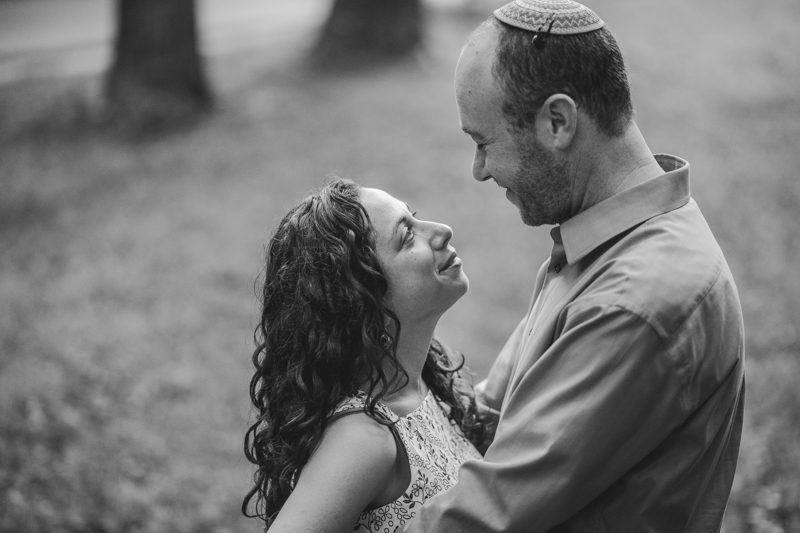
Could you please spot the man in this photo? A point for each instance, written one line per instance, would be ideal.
(621, 392)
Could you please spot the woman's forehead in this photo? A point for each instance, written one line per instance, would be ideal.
(380, 202)
(384, 210)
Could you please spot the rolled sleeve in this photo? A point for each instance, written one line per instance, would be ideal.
(596, 402)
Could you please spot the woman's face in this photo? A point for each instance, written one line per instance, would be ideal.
(424, 273)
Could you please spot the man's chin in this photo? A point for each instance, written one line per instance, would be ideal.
(529, 220)
(540, 218)
(529, 217)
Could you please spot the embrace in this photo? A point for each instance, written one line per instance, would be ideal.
(615, 406)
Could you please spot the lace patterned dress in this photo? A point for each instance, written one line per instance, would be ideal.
(435, 449)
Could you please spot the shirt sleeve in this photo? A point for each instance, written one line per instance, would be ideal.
(600, 399)
(493, 388)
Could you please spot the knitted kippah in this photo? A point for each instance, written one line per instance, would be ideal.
(567, 17)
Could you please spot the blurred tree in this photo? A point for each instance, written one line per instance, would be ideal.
(157, 76)
(359, 30)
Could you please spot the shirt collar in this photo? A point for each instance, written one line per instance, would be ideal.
(589, 229)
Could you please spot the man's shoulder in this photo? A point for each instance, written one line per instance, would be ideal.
(663, 270)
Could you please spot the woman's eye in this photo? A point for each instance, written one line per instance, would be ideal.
(409, 236)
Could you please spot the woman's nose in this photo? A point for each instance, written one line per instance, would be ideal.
(442, 233)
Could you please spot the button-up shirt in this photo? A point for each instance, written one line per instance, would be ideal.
(622, 389)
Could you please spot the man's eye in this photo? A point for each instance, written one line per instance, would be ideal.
(481, 146)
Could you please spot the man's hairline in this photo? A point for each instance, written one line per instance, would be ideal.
(492, 24)
(502, 28)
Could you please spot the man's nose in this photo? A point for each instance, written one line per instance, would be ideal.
(479, 171)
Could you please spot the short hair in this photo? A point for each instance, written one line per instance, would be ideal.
(588, 67)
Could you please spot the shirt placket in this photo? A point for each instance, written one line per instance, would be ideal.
(557, 264)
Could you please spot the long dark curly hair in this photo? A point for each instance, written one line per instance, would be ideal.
(321, 336)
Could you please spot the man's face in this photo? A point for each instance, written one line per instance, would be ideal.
(535, 180)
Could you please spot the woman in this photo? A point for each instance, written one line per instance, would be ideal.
(361, 416)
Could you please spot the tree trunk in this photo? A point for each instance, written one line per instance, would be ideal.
(157, 75)
(359, 30)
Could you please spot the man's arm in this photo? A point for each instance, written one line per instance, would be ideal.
(598, 400)
(492, 390)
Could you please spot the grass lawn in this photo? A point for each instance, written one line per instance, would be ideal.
(127, 268)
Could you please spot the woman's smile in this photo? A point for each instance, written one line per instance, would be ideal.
(452, 262)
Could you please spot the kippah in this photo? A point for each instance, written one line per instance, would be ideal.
(562, 17)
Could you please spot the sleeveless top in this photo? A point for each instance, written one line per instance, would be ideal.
(435, 449)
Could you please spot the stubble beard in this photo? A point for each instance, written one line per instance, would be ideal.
(543, 186)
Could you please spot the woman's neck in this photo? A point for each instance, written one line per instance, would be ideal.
(412, 352)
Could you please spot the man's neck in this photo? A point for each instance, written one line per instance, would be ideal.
(612, 166)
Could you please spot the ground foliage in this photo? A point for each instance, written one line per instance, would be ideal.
(127, 266)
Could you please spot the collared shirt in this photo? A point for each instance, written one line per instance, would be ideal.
(623, 387)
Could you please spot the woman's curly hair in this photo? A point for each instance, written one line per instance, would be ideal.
(322, 334)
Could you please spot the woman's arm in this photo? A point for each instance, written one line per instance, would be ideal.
(351, 469)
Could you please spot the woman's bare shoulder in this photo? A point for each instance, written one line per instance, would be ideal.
(349, 470)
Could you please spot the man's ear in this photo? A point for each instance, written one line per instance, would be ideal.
(557, 121)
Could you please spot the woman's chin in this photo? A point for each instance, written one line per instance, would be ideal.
(466, 284)
(460, 288)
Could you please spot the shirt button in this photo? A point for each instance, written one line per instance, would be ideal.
(557, 268)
